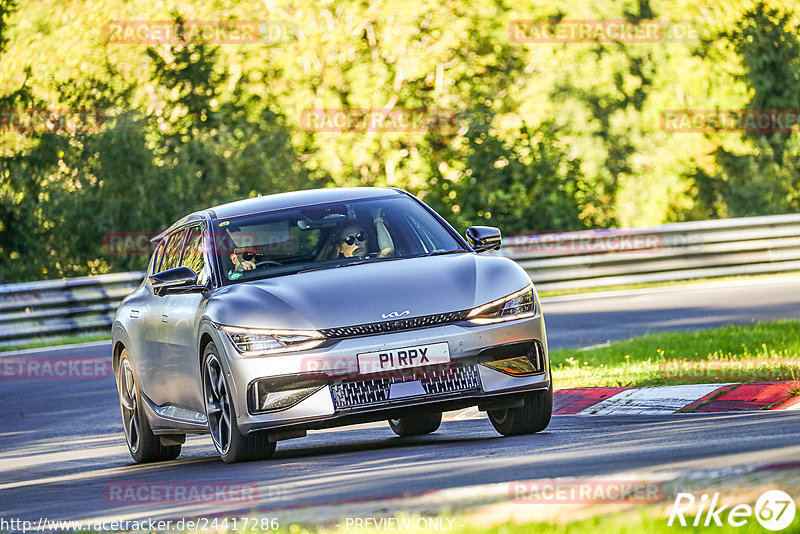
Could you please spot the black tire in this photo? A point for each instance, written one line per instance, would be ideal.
(533, 417)
(143, 445)
(416, 425)
(231, 444)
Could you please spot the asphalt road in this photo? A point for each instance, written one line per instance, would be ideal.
(62, 452)
(47, 473)
(581, 320)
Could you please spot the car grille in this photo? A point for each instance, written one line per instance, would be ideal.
(351, 394)
(394, 325)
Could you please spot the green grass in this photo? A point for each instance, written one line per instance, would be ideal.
(55, 342)
(619, 523)
(637, 521)
(667, 283)
(736, 353)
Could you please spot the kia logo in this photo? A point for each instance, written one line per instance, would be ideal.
(394, 314)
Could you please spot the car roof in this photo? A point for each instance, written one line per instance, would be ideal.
(294, 199)
(297, 199)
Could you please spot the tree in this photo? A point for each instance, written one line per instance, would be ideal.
(762, 175)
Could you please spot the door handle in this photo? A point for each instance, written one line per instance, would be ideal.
(164, 318)
(134, 314)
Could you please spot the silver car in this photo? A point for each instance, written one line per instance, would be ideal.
(261, 319)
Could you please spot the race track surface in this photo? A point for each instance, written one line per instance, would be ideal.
(62, 450)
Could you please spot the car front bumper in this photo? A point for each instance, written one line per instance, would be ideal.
(342, 395)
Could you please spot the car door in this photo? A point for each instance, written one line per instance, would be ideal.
(144, 324)
(180, 318)
(160, 380)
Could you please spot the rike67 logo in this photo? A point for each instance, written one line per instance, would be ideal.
(774, 510)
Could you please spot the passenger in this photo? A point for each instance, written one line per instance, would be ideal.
(352, 239)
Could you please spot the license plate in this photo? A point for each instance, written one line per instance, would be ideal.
(403, 358)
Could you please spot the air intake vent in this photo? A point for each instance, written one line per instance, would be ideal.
(395, 325)
(355, 393)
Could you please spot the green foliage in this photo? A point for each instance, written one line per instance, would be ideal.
(762, 177)
(141, 171)
(547, 137)
(767, 41)
(527, 185)
(619, 93)
(6, 8)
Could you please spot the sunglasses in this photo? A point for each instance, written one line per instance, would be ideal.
(351, 239)
(248, 256)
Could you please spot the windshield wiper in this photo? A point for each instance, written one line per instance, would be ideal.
(334, 266)
(439, 253)
(388, 258)
(349, 263)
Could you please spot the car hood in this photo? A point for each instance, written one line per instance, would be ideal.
(367, 293)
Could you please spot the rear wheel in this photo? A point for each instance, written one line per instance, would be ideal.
(416, 425)
(143, 445)
(532, 417)
(232, 445)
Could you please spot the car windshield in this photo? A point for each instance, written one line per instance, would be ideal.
(326, 236)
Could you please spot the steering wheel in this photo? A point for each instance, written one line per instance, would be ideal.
(264, 263)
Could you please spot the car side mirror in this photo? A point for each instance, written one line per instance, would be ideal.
(483, 238)
(179, 278)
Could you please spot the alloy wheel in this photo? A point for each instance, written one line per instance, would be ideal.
(218, 406)
(500, 416)
(130, 406)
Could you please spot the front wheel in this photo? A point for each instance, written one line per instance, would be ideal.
(143, 445)
(532, 417)
(232, 445)
(417, 425)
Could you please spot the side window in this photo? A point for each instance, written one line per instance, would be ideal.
(193, 253)
(157, 255)
(172, 254)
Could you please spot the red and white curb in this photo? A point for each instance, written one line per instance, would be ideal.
(663, 400)
(656, 400)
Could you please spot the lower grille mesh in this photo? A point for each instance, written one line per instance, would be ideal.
(351, 394)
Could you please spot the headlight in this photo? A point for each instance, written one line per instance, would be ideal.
(514, 306)
(257, 342)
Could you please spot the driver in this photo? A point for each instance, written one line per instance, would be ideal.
(244, 260)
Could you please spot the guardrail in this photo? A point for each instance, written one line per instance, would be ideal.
(40, 311)
(554, 261)
(676, 251)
